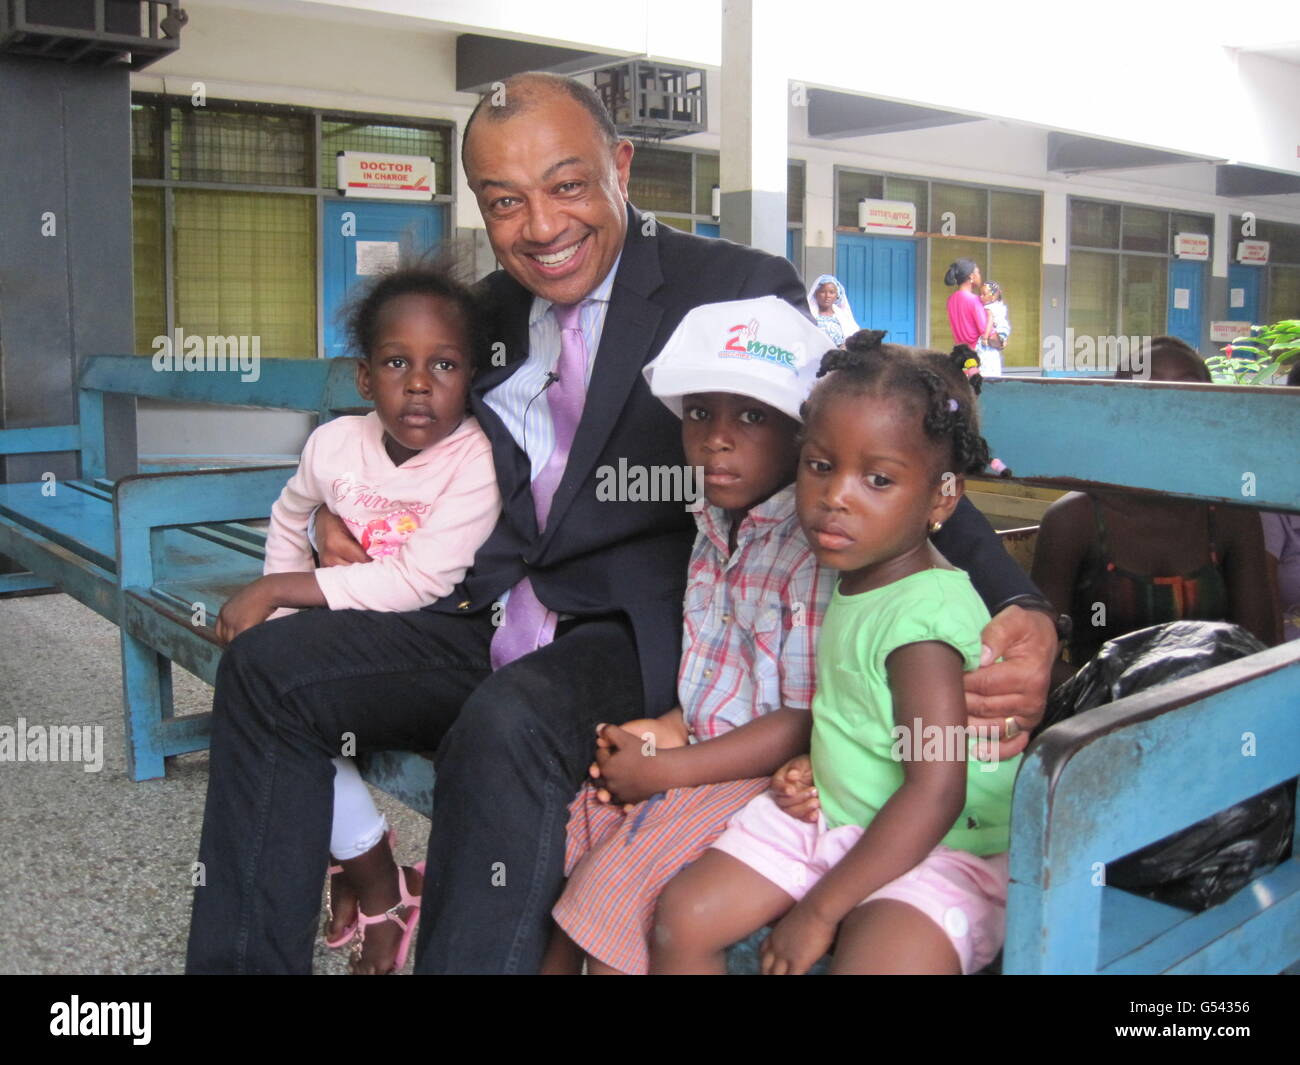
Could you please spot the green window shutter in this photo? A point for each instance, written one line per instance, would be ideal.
(1017, 268)
(245, 265)
(1143, 295)
(147, 267)
(1094, 307)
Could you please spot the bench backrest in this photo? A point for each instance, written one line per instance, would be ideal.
(325, 387)
(1220, 443)
(1113, 780)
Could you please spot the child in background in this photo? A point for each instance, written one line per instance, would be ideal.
(906, 863)
(414, 482)
(736, 373)
(999, 330)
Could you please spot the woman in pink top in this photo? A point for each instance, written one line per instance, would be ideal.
(966, 313)
(414, 482)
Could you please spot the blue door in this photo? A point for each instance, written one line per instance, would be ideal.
(361, 237)
(879, 279)
(1244, 281)
(708, 229)
(1186, 279)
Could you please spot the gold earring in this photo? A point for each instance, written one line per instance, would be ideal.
(935, 526)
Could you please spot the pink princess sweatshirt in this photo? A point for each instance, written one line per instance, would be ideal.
(421, 521)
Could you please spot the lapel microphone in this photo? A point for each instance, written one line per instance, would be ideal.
(551, 378)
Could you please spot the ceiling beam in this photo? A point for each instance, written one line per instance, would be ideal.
(481, 60)
(834, 115)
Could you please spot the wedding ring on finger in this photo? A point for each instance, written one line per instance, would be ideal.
(1010, 728)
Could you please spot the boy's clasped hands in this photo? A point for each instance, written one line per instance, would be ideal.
(628, 765)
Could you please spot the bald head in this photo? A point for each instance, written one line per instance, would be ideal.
(522, 93)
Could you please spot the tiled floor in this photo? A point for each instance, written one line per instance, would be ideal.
(94, 869)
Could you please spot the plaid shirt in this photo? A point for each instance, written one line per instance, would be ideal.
(751, 618)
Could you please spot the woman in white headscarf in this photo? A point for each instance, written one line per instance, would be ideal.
(830, 309)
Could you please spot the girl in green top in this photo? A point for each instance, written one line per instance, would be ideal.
(905, 868)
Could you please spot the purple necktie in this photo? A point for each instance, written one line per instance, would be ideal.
(528, 625)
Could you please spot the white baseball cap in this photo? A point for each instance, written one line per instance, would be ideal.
(762, 348)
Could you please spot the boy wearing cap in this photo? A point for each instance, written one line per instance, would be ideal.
(736, 373)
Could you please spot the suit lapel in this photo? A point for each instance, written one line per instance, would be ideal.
(631, 324)
(509, 326)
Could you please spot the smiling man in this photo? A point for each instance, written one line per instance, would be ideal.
(588, 293)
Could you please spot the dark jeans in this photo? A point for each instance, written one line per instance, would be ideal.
(512, 747)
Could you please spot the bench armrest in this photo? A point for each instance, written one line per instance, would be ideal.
(41, 440)
(1105, 783)
(147, 503)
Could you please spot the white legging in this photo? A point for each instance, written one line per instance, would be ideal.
(358, 824)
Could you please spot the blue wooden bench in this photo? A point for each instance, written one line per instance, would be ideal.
(153, 542)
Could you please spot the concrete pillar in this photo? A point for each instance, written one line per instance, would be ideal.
(65, 248)
(1222, 244)
(819, 217)
(1056, 228)
(755, 102)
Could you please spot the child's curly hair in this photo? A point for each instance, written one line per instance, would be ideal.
(436, 274)
(940, 388)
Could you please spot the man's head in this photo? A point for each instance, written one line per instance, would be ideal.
(550, 175)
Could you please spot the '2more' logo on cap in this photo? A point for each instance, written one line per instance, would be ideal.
(743, 343)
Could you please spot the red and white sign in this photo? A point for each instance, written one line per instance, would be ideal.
(386, 177)
(892, 217)
(1227, 332)
(1253, 252)
(1192, 246)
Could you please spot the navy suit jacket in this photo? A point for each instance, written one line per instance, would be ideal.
(601, 557)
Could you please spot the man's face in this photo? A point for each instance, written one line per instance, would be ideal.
(553, 195)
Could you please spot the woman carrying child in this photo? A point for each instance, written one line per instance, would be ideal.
(905, 869)
(414, 482)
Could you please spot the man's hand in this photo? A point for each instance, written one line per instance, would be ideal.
(249, 606)
(627, 765)
(793, 791)
(1015, 688)
(334, 544)
(797, 941)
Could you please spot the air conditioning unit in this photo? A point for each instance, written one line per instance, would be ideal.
(94, 32)
(653, 101)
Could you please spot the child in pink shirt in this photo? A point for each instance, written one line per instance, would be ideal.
(414, 482)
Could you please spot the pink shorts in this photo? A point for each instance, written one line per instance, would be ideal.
(962, 893)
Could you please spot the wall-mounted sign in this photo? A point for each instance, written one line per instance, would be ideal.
(387, 177)
(1253, 252)
(1192, 246)
(1226, 332)
(888, 217)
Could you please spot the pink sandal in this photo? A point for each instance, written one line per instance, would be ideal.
(408, 902)
(345, 937)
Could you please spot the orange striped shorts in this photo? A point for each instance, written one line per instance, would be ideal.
(618, 863)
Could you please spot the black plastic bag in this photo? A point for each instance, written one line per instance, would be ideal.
(1204, 864)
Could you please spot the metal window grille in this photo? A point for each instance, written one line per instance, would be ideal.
(348, 135)
(219, 144)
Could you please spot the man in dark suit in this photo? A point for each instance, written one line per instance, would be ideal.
(596, 583)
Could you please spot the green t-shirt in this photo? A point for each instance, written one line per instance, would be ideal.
(857, 753)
